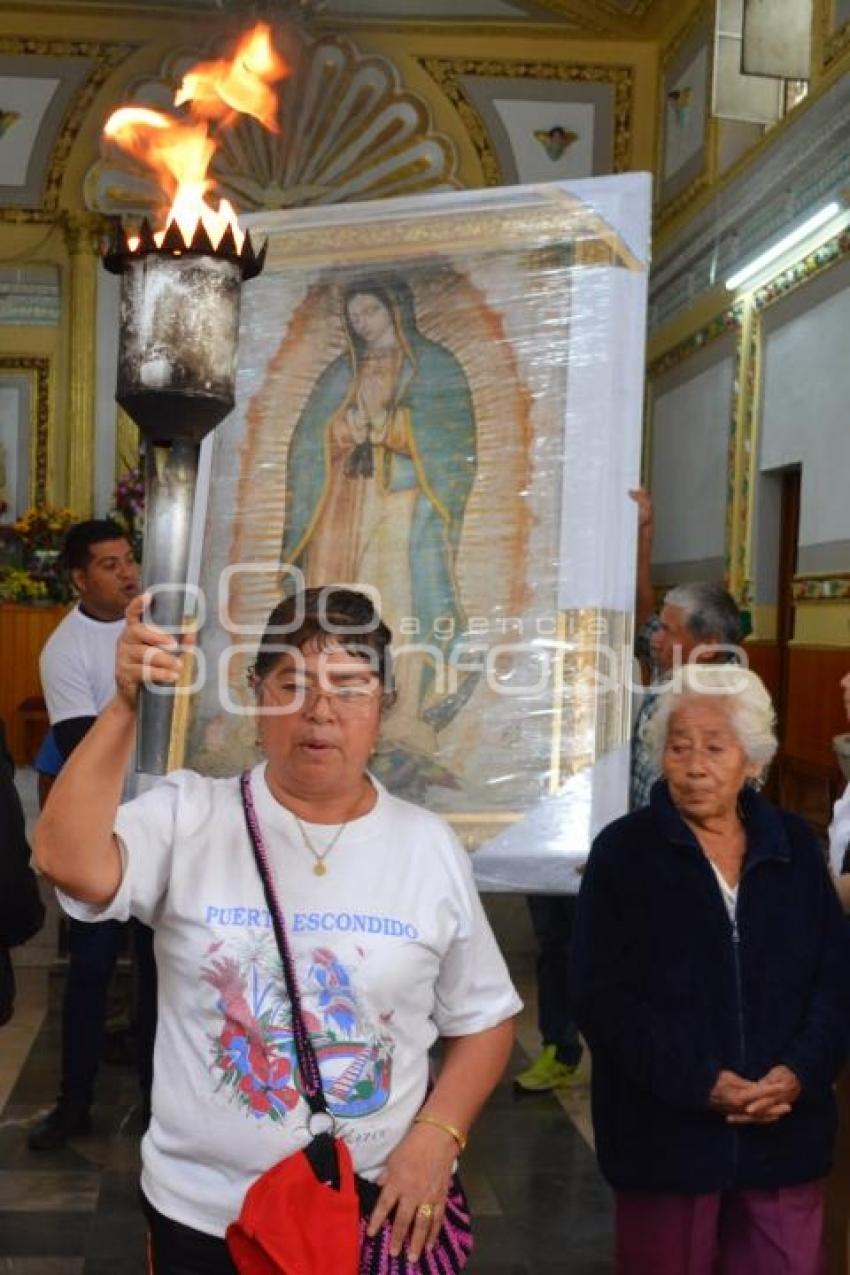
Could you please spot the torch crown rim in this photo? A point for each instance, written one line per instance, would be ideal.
(118, 254)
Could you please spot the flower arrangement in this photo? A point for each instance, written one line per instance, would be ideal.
(33, 571)
(128, 505)
(17, 585)
(42, 528)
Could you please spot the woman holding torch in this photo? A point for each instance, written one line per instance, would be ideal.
(390, 944)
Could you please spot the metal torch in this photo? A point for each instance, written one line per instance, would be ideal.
(176, 373)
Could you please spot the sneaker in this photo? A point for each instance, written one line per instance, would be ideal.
(547, 1073)
(66, 1120)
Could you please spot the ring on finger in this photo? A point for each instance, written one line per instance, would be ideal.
(425, 1211)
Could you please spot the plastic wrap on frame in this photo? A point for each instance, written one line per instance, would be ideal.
(440, 399)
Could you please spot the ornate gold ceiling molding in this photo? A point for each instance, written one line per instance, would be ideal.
(349, 129)
(576, 11)
(449, 73)
(666, 212)
(576, 14)
(639, 9)
(105, 58)
(835, 40)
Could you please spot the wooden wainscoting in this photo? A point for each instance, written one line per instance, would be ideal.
(805, 776)
(764, 659)
(809, 775)
(23, 632)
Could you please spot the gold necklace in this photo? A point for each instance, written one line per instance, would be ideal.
(319, 866)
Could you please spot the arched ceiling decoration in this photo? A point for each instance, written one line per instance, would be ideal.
(46, 90)
(454, 76)
(348, 130)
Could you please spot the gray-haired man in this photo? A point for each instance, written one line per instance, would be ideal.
(698, 621)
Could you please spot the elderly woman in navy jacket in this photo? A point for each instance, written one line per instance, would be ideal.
(711, 983)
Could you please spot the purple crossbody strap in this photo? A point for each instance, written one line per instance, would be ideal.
(455, 1242)
(311, 1077)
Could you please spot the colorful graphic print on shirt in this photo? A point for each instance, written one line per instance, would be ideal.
(254, 1051)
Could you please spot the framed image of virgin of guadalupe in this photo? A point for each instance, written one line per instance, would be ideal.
(439, 401)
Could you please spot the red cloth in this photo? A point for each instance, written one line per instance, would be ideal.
(293, 1224)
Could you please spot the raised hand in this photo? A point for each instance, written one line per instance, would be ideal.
(146, 653)
(643, 500)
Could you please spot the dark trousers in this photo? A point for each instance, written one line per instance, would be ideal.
(174, 1249)
(92, 953)
(552, 917)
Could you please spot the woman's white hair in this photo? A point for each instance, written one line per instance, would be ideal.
(751, 711)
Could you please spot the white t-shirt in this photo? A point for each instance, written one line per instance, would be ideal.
(392, 949)
(77, 666)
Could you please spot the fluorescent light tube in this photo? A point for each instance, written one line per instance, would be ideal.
(779, 249)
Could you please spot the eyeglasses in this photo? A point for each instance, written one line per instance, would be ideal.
(293, 694)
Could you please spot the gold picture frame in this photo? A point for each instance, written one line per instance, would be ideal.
(30, 376)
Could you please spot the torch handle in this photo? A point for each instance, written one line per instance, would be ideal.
(170, 480)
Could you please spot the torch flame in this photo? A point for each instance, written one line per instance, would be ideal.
(179, 151)
(221, 89)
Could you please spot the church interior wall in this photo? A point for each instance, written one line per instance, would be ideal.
(787, 406)
(88, 442)
(735, 147)
(688, 467)
(804, 417)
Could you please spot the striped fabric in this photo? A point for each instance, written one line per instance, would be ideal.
(448, 1256)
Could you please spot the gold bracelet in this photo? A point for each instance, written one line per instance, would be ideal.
(460, 1138)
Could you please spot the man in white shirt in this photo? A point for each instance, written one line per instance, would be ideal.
(78, 679)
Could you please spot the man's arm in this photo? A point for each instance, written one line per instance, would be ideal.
(74, 842)
(69, 733)
(68, 692)
(64, 679)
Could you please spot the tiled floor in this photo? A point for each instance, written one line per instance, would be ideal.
(540, 1205)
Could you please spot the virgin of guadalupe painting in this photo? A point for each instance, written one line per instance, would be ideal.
(379, 473)
(387, 443)
(430, 405)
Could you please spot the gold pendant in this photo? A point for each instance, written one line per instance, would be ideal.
(320, 869)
